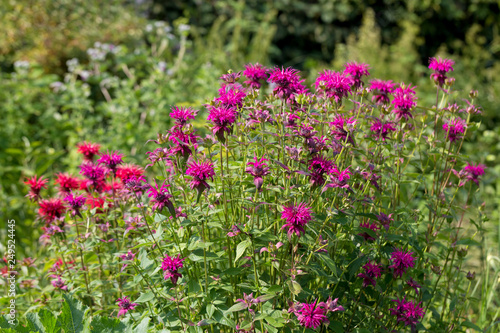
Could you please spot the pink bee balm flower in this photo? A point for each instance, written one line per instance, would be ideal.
(51, 209)
(94, 173)
(170, 266)
(36, 184)
(339, 178)
(255, 74)
(470, 173)
(334, 85)
(440, 67)
(296, 218)
(161, 198)
(381, 90)
(381, 130)
(181, 115)
(222, 118)
(258, 170)
(199, 173)
(404, 101)
(454, 128)
(76, 202)
(372, 271)
(342, 128)
(372, 226)
(401, 262)
(59, 283)
(183, 143)
(311, 316)
(287, 82)
(319, 166)
(125, 305)
(407, 312)
(231, 96)
(248, 301)
(356, 71)
(111, 160)
(88, 150)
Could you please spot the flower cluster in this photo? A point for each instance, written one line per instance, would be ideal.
(334, 85)
(440, 67)
(296, 217)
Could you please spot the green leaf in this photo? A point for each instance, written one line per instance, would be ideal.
(328, 262)
(240, 249)
(469, 324)
(143, 326)
(237, 307)
(48, 320)
(106, 325)
(34, 323)
(294, 287)
(336, 326)
(71, 317)
(210, 310)
(145, 297)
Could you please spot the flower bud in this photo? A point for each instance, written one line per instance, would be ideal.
(470, 276)
(462, 252)
(473, 94)
(450, 81)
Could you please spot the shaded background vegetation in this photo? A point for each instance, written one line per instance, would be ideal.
(124, 99)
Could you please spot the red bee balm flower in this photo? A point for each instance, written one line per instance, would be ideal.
(88, 150)
(296, 218)
(67, 183)
(51, 209)
(36, 185)
(125, 171)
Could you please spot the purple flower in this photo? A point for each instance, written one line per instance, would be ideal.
(470, 173)
(310, 315)
(372, 226)
(184, 144)
(222, 118)
(287, 82)
(334, 85)
(231, 96)
(454, 128)
(412, 283)
(372, 271)
(182, 115)
(94, 173)
(404, 101)
(125, 305)
(231, 77)
(401, 261)
(235, 231)
(111, 160)
(381, 90)
(440, 67)
(258, 170)
(381, 130)
(136, 184)
(407, 312)
(338, 178)
(296, 218)
(170, 266)
(385, 220)
(319, 166)
(59, 283)
(161, 198)
(199, 173)
(76, 202)
(356, 71)
(341, 128)
(248, 301)
(255, 74)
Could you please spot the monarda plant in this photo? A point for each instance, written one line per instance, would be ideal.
(343, 206)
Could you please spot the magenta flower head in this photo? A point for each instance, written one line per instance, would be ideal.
(311, 315)
(454, 129)
(199, 173)
(287, 82)
(371, 272)
(318, 167)
(222, 118)
(181, 115)
(339, 178)
(170, 266)
(59, 283)
(231, 96)
(381, 130)
(296, 218)
(94, 173)
(372, 226)
(248, 301)
(356, 71)
(407, 312)
(51, 209)
(88, 150)
(404, 101)
(161, 198)
(67, 183)
(381, 90)
(401, 262)
(440, 68)
(36, 184)
(258, 170)
(333, 85)
(342, 128)
(111, 160)
(183, 143)
(76, 202)
(256, 73)
(125, 305)
(470, 173)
